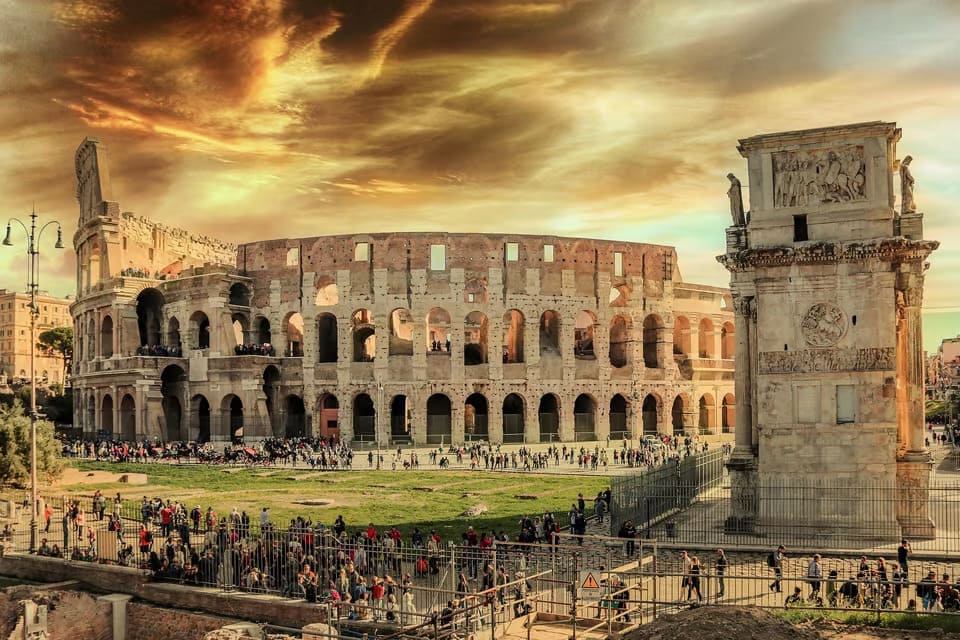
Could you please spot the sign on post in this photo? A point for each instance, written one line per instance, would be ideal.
(588, 585)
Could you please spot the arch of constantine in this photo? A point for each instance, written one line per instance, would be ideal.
(388, 337)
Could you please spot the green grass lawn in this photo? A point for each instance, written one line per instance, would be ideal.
(407, 499)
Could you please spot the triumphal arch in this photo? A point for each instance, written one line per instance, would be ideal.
(827, 272)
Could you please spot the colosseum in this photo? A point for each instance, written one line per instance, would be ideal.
(393, 338)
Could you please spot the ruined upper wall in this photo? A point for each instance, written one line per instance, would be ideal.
(486, 257)
(154, 247)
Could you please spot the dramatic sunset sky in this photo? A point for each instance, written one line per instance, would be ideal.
(252, 119)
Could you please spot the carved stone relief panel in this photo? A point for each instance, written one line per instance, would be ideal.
(828, 360)
(821, 176)
(823, 325)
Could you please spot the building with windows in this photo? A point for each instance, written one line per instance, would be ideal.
(15, 341)
(395, 338)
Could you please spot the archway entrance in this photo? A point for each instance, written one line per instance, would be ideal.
(106, 416)
(618, 418)
(271, 389)
(296, 419)
(399, 420)
(676, 416)
(149, 316)
(172, 389)
(364, 417)
(475, 418)
(707, 414)
(584, 418)
(329, 416)
(439, 422)
(231, 410)
(513, 423)
(128, 418)
(728, 414)
(549, 414)
(200, 416)
(651, 410)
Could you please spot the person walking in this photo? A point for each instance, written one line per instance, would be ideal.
(721, 569)
(696, 570)
(775, 562)
(903, 556)
(815, 576)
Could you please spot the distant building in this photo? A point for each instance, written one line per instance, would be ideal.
(15, 343)
(947, 367)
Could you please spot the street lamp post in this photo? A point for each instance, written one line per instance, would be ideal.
(33, 277)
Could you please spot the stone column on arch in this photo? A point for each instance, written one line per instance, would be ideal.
(531, 419)
(457, 409)
(914, 461)
(495, 416)
(567, 428)
(744, 490)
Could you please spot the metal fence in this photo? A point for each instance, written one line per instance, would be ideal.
(653, 496)
(828, 516)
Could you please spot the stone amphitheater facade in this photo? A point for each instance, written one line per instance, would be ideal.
(446, 337)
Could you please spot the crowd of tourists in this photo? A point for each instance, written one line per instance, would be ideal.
(332, 454)
(365, 572)
(833, 583)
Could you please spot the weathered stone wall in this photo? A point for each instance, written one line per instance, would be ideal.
(148, 622)
(74, 614)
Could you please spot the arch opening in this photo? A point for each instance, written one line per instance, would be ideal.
(106, 416)
(329, 412)
(727, 341)
(650, 417)
(549, 334)
(677, 415)
(707, 414)
(200, 416)
(619, 428)
(199, 330)
(294, 331)
(728, 413)
(475, 341)
(327, 339)
(583, 336)
(128, 418)
(106, 337)
(513, 418)
(399, 419)
(476, 418)
(364, 418)
(681, 336)
(584, 418)
(150, 317)
(549, 417)
(239, 295)
(652, 328)
(438, 331)
(364, 336)
(705, 337)
(619, 342)
(295, 423)
(172, 388)
(439, 424)
(401, 333)
(513, 337)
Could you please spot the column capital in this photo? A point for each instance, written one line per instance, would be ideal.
(745, 306)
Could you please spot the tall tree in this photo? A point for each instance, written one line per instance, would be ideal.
(15, 447)
(58, 341)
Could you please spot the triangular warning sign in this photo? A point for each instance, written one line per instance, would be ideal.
(590, 582)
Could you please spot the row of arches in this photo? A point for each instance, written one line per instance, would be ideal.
(437, 333)
(706, 343)
(228, 422)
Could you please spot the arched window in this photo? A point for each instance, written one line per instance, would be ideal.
(706, 339)
(401, 333)
(364, 336)
(327, 339)
(727, 341)
(652, 329)
(513, 336)
(438, 331)
(199, 330)
(239, 295)
(619, 341)
(106, 337)
(149, 316)
(583, 336)
(549, 333)
(294, 329)
(475, 338)
(681, 336)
